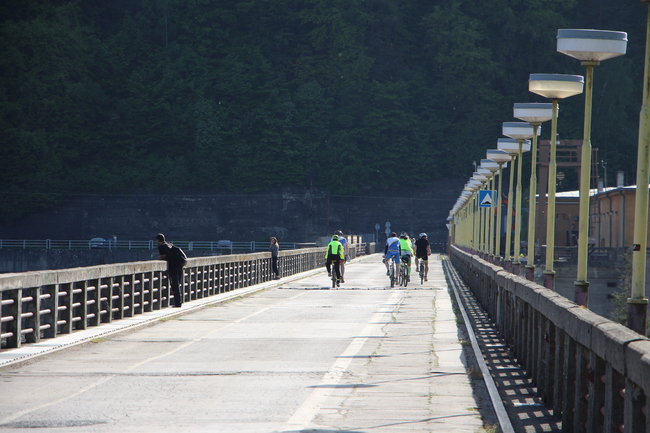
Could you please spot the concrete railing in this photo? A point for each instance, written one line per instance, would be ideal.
(594, 373)
(44, 304)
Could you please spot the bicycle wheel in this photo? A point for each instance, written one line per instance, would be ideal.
(333, 279)
(406, 276)
(392, 275)
(421, 272)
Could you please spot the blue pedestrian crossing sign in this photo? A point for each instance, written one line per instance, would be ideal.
(485, 198)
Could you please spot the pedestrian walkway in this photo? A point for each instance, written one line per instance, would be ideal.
(409, 367)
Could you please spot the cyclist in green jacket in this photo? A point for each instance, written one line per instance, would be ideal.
(335, 254)
(406, 251)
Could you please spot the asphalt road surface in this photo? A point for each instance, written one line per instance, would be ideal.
(297, 357)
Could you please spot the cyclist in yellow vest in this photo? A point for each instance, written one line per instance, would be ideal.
(406, 251)
(335, 254)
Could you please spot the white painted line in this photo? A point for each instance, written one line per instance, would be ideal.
(312, 405)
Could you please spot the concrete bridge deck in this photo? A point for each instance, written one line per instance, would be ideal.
(291, 357)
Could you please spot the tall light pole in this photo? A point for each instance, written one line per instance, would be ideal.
(535, 114)
(494, 168)
(488, 175)
(637, 303)
(501, 158)
(479, 223)
(554, 87)
(521, 132)
(590, 47)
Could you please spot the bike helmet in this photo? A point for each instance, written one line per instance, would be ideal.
(423, 235)
(339, 232)
(335, 238)
(404, 235)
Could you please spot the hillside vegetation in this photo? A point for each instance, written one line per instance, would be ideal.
(171, 96)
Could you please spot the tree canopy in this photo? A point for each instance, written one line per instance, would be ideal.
(214, 95)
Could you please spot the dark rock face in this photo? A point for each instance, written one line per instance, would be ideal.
(290, 213)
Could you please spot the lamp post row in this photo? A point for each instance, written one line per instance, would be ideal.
(590, 47)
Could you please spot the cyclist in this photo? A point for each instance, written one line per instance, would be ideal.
(334, 254)
(391, 250)
(406, 252)
(346, 253)
(422, 252)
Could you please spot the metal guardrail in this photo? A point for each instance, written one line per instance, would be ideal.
(593, 372)
(598, 256)
(216, 246)
(44, 304)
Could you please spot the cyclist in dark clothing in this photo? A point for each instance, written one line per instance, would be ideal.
(422, 252)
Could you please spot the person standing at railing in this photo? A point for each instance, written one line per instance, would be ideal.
(174, 268)
(275, 251)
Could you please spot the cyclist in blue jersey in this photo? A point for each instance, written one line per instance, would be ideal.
(392, 250)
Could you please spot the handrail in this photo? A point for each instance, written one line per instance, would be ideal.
(593, 372)
(229, 247)
(45, 304)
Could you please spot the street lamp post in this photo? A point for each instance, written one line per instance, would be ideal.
(535, 114)
(473, 186)
(488, 175)
(479, 223)
(501, 158)
(521, 132)
(493, 167)
(637, 303)
(590, 47)
(554, 87)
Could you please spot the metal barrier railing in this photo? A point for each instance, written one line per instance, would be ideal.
(45, 304)
(215, 246)
(594, 373)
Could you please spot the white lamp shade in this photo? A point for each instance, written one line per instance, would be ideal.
(490, 165)
(498, 156)
(512, 146)
(518, 130)
(534, 112)
(556, 86)
(486, 172)
(591, 45)
(479, 177)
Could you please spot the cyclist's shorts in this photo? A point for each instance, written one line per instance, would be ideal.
(406, 258)
(424, 257)
(391, 254)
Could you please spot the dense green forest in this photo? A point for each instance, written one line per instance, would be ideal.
(173, 96)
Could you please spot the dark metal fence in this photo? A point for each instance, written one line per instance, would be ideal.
(225, 247)
(44, 304)
(593, 373)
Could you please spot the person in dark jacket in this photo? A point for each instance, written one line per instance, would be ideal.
(174, 268)
(275, 250)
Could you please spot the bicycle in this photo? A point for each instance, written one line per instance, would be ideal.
(391, 272)
(403, 274)
(421, 271)
(335, 282)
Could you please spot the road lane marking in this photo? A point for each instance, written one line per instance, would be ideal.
(312, 405)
